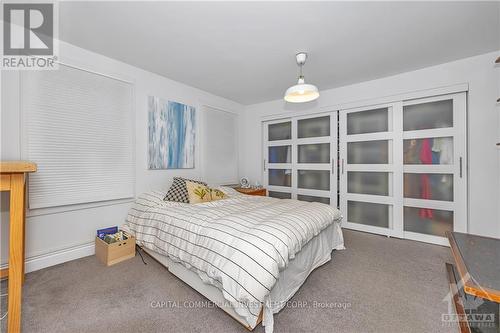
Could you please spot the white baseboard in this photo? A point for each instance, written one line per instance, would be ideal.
(58, 257)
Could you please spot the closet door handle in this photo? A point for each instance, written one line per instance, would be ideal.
(264, 164)
(342, 166)
(460, 162)
(333, 166)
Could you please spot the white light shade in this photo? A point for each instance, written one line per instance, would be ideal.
(301, 93)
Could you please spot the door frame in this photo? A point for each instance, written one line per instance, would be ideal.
(408, 97)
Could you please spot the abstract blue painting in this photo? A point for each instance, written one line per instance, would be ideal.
(171, 134)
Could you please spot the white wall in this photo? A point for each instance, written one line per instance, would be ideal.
(483, 125)
(57, 235)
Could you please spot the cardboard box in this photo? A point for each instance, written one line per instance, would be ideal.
(110, 254)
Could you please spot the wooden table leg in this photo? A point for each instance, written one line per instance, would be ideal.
(16, 246)
(24, 228)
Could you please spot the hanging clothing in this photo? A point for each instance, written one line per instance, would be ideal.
(435, 157)
(410, 154)
(425, 186)
(426, 152)
(444, 146)
(425, 193)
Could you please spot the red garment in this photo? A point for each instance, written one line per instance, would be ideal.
(425, 186)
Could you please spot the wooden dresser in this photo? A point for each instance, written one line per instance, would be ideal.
(252, 191)
(13, 180)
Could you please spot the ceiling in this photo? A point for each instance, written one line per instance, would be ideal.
(244, 51)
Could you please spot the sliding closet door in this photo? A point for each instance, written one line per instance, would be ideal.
(314, 164)
(434, 157)
(403, 168)
(367, 169)
(299, 158)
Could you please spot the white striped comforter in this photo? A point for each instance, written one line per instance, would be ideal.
(240, 243)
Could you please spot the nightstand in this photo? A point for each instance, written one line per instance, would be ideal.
(252, 191)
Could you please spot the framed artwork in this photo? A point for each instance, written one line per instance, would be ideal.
(171, 134)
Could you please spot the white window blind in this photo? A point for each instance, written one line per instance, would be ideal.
(220, 154)
(78, 128)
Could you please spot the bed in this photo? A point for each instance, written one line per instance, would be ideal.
(247, 254)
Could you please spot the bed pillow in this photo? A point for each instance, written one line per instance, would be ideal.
(230, 192)
(178, 191)
(199, 193)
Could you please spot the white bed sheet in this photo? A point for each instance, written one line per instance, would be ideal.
(314, 254)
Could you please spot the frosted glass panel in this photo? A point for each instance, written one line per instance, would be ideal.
(368, 213)
(371, 121)
(428, 115)
(428, 151)
(313, 127)
(314, 153)
(432, 186)
(428, 221)
(314, 179)
(368, 152)
(280, 131)
(311, 198)
(280, 177)
(376, 183)
(280, 154)
(280, 195)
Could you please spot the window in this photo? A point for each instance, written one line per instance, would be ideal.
(78, 128)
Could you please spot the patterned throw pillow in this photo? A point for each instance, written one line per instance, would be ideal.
(198, 193)
(178, 191)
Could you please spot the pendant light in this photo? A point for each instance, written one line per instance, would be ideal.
(301, 92)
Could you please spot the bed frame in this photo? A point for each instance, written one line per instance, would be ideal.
(214, 294)
(194, 281)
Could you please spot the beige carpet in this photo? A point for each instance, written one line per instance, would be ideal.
(378, 284)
